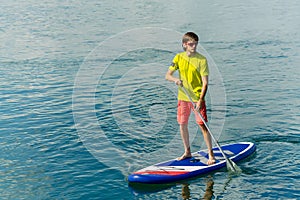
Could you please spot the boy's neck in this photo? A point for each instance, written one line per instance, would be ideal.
(190, 54)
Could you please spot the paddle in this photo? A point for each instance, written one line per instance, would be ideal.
(229, 163)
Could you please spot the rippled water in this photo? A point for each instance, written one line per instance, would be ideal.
(84, 102)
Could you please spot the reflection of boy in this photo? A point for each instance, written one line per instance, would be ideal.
(186, 193)
(209, 190)
(193, 75)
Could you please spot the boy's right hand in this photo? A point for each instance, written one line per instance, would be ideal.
(179, 82)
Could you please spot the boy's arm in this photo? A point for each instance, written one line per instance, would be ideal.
(203, 92)
(170, 77)
(204, 87)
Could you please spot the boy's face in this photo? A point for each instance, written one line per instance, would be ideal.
(191, 46)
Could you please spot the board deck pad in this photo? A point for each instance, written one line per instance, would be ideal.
(174, 170)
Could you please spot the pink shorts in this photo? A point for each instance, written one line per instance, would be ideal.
(184, 110)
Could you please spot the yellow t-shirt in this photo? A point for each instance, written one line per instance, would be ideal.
(190, 69)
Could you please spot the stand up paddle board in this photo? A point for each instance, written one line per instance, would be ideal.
(174, 170)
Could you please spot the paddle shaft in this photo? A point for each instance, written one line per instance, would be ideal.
(212, 136)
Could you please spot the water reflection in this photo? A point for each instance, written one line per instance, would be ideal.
(139, 189)
(186, 194)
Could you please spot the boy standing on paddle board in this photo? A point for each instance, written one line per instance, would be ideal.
(193, 75)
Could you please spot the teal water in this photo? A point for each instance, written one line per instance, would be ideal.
(84, 102)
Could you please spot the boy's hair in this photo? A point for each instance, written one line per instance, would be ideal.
(190, 36)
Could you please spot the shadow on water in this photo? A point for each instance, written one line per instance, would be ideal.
(144, 189)
(141, 188)
(186, 194)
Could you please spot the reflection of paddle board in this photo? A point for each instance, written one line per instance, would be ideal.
(173, 170)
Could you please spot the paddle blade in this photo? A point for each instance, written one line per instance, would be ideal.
(232, 167)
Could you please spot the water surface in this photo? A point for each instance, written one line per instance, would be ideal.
(44, 155)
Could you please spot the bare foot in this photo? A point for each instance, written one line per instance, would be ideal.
(184, 156)
(211, 161)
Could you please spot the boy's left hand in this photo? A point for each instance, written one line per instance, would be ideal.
(199, 105)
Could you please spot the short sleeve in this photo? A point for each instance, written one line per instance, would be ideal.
(204, 68)
(174, 64)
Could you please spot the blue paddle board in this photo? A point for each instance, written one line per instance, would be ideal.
(174, 170)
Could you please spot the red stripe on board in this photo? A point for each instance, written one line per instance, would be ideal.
(171, 173)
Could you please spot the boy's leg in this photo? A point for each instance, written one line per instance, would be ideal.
(206, 135)
(183, 113)
(186, 143)
(207, 139)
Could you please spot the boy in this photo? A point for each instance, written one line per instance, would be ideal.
(193, 75)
